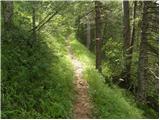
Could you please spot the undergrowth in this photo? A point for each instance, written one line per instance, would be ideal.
(108, 101)
(36, 81)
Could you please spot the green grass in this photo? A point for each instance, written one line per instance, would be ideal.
(36, 82)
(81, 52)
(108, 102)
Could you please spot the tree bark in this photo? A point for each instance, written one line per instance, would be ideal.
(143, 58)
(131, 46)
(7, 14)
(127, 44)
(34, 22)
(133, 29)
(98, 34)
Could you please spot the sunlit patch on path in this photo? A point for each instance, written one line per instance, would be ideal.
(82, 105)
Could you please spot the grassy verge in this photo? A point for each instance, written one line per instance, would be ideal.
(109, 102)
(36, 82)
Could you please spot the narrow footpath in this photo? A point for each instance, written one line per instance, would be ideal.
(82, 105)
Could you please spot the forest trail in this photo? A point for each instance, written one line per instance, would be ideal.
(82, 105)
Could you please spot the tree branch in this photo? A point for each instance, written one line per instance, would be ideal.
(45, 20)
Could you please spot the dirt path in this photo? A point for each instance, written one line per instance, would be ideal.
(82, 106)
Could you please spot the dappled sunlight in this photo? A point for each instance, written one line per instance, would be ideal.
(79, 59)
(108, 102)
(82, 53)
(82, 105)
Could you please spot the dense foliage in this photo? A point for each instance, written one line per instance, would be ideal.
(113, 58)
(37, 74)
(36, 80)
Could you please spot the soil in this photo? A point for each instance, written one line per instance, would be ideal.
(82, 105)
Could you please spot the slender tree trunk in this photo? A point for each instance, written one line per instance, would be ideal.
(133, 36)
(7, 14)
(133, 29)
(143, 58)
(98, 35)
(88, 35)
(127, 41)
(34, 22)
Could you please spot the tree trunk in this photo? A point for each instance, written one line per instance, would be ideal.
(98, 35)
(7, 14)
(133, 29)
(88, 35)
(127, 44)
(143, 58)
(34, 22)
